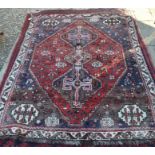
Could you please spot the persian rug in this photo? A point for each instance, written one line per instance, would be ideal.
(78, 78)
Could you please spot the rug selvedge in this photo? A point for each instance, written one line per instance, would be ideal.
(69, 62)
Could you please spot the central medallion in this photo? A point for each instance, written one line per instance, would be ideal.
(77, 81)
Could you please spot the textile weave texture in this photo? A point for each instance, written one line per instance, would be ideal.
(78, 78)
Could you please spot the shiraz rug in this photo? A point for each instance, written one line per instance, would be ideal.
(78, 78)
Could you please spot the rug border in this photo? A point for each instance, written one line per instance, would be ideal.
(80, 11)
(145, 50)
(20, 142)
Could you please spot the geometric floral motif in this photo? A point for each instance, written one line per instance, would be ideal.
(24, 113)
(97, 64)
(50, 22)
(52, 121)
(107, 122)
(132, 115)
(60, 64)
(112, 21)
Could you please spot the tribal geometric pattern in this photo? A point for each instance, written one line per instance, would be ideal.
(78, 77)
